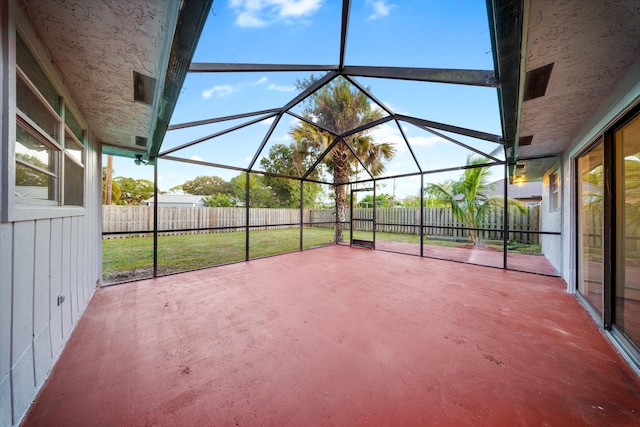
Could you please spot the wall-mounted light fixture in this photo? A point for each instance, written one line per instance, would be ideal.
(138, 161)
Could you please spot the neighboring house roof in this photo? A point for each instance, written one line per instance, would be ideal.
(524, 190)
(187, 199)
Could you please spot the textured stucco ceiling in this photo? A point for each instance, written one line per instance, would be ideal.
(96, 46)
(592, 44)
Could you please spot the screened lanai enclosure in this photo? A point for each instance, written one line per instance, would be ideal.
(337, 136)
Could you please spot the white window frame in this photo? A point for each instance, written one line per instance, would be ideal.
(554, 192)
(14, 208)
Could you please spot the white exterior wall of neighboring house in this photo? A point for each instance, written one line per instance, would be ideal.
(178, 201)
(45, 252)
(551, 220)
(622, 99)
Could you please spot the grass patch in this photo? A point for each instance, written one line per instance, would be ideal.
(132, 258)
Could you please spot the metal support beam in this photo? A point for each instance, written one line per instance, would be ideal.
(222, 119)
(223, 67)
(366, 126)
(310, 90)
(155, 219)
(368, 93)
(421, 214)
(450, 128)
(264, 140)
(346, 10)
(484, 78)
(505, 217)
(247, 201)
(190, 22)
(312, 123)
(406, 141)
(301, 214)
(461, 144)
(215, 135)
(319, 159)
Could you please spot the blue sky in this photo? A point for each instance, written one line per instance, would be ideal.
(418, 33)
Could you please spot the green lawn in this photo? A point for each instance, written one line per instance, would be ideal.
(132, 258)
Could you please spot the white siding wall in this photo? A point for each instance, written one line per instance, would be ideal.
(551, 221)
(625, 95)
(39, 260)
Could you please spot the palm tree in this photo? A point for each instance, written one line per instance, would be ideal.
(467, 197)
(336, 106)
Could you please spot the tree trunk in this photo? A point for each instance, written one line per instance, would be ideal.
(340, 216)
(340, 176)
(108, 187)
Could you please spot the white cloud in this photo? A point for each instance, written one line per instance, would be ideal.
(219, 90)
(261, 80)
(260, 13)
(196, 157)
(390, 134)
(297, 8)
(227, 89)
(268, 121)
(424, 141)
(286, 138)
(279, 88)
(380, 9)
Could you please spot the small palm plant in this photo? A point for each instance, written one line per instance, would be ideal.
(468, 197)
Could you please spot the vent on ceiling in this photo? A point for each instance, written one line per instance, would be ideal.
(141, 141)
(525, 140)
(144, 88)
(520, 165)
(536, 82)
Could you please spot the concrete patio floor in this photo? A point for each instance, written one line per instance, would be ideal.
(338, 336)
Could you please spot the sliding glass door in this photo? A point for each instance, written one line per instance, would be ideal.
(627, 217)
(590, 167)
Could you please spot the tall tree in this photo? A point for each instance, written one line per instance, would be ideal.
(134, 191)
(284, 160)
(260, 194)
(468, 196)
(205, 186)
(340, 107)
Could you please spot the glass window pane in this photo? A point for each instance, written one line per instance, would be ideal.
(627, 311)
(71, 121)
(33, 107)
(33, 184)
(31, 150)
(72, 148)
(590, 248)
(28, 64)
(73, 183)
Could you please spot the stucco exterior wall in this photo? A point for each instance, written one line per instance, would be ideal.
(622, 99)
(40, 259)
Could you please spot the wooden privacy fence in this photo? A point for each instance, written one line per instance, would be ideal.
(116, 218)
(439, 222)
